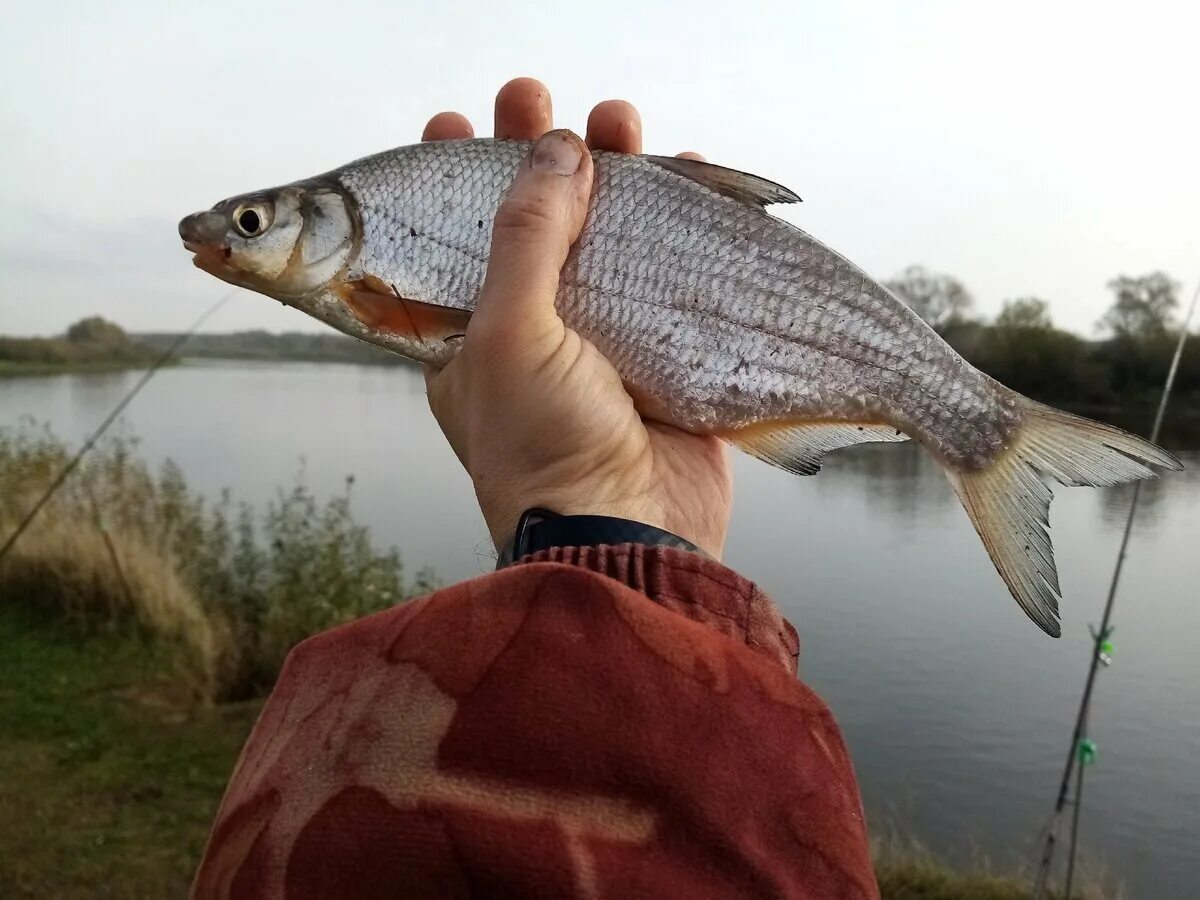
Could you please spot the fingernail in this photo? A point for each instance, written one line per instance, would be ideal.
(556, 152)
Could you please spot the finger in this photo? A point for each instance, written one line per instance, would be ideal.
(615, 125)
(531, 236)
(688, 154)
(523, 110)
(447, 126)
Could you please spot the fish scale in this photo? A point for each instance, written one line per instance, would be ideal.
(720, 318)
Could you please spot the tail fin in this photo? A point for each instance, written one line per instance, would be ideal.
(1010, 506)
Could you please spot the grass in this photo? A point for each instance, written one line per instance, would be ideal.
(906, 870)
(930, 880)
(110, 776)
(228, 588)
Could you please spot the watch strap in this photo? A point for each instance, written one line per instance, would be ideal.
(542, 529)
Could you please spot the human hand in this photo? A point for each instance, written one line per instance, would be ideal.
(535, 413)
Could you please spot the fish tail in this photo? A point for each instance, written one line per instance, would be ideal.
(1009, 504)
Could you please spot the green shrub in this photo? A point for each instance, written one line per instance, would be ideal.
(233, 587)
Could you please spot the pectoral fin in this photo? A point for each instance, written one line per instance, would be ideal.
(378, 305)
(798, 445)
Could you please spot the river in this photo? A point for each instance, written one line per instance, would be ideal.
(956, 708)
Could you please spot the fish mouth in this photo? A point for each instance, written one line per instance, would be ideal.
(210, 258)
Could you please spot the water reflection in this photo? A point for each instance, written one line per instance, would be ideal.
(900, 480)
(1170, 487)
(904, 483)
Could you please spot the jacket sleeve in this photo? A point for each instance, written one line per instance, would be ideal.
(596, 723)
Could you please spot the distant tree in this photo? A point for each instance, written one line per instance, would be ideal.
(1025, 314)
(97, 330)
(89, 342)
(1143, 306)
(938, 299)
(1024, 350)
(967, 336)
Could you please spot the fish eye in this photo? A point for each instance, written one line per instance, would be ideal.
(250, 221)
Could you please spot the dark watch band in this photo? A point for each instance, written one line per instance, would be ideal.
(542, 529)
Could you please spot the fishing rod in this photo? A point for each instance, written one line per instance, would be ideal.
(109, 419)
(1079, 745)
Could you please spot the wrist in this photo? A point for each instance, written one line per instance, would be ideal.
(539, 530)
(502, 510)
(699, 516)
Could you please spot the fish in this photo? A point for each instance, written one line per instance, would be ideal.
(721, 318)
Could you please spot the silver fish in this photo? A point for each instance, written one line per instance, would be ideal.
(721, 318)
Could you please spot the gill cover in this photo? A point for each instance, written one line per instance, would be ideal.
(327, 240)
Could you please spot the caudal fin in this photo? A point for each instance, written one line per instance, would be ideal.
(1010, 506)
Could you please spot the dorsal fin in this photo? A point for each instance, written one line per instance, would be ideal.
(729, 182)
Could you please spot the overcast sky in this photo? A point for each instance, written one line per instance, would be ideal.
(1028, 148)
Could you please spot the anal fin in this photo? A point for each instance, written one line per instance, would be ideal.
(378, 305)
(797, 445)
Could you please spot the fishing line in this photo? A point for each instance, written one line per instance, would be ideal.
(109, 419)
(1100, 641)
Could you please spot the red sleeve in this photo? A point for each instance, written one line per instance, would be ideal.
(612, 723)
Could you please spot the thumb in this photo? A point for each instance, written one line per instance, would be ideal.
(534, 229)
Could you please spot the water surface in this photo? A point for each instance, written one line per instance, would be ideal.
(956, 708)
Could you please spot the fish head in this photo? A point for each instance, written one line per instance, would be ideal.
(286, 242)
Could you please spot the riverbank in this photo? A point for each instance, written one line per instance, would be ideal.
(90, 345)
(112, 774)
(291, 346)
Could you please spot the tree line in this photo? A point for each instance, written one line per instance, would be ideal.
(97, 342)
(89, 342)
(290, 345)
(1125, 365)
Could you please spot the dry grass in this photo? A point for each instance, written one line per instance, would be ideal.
(230, 589)
(69, 567)
(907, 870)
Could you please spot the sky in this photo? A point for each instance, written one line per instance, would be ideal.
(1029, 148)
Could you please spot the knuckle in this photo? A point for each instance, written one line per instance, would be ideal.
(519, 216)
(562, 355)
